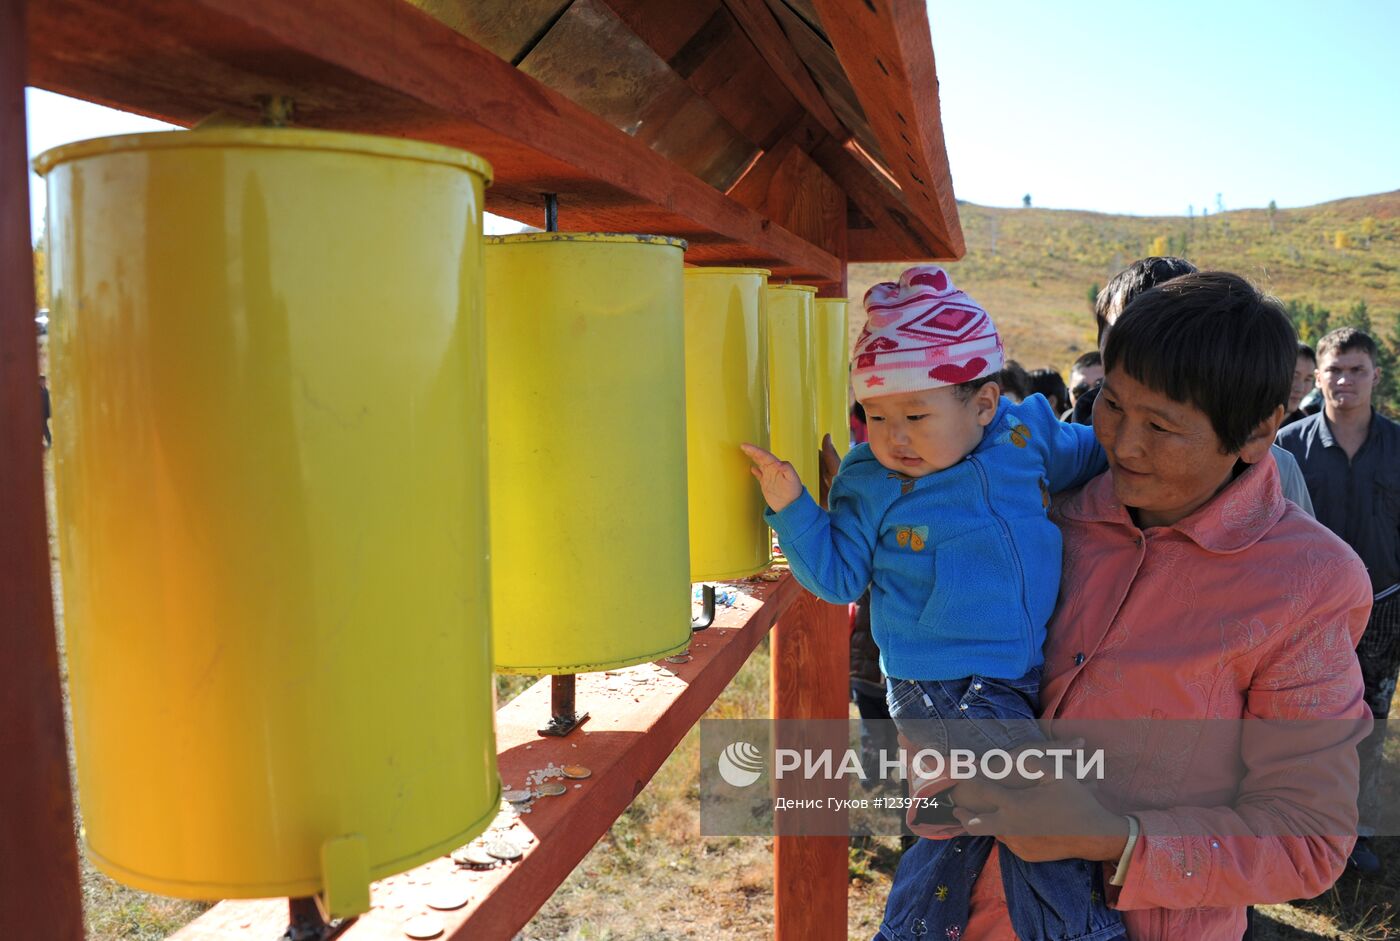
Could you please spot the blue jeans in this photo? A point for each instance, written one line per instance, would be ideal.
(1054, 901)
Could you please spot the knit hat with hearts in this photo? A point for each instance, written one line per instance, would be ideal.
(922, 333)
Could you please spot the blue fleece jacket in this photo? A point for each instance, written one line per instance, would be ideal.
(963, 565)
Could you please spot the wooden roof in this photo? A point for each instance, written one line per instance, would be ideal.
(791, 134)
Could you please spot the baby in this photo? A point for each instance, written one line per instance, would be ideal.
(944, 515)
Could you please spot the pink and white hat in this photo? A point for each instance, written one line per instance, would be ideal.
(922, 333)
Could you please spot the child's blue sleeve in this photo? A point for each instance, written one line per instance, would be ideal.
(831, 553)
(1073, 456)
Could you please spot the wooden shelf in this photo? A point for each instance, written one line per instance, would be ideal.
(630, 735)
(384, 67)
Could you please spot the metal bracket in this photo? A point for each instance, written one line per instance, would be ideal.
(563, 719)
(308, 922)
(707, 609)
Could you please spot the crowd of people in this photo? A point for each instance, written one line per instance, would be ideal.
(1203, 523)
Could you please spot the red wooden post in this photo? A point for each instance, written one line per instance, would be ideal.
(39, 895)
(811, 680)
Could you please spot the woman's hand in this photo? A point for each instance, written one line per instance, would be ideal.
(779, 481)
(1018, 816)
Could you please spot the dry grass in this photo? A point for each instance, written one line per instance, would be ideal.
(1032, 268)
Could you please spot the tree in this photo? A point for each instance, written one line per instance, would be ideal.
(1342, 240)
(1219, 204)
(1358, 316)
(1273, 211)
(1093, 295)
(1159, 246)
(1390, 344)
(1026, 201)
(1368, 229)
(1310, 322)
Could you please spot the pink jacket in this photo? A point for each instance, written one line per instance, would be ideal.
(1249, 609)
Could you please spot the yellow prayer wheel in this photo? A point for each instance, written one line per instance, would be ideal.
(792, 386)
(726, 401)
(585, 369)
(269, 445)
(829, 329)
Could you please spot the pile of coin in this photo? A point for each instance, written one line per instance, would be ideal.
(494, 847)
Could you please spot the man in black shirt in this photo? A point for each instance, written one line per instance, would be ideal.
(1350, 456)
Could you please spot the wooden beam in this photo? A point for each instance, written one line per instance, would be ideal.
(706, 47)
(886, 51)
(633, 730)
(765, 33)
(811, 680)
(39, 894)
(900, 233)
(787, 187)
(385, 67)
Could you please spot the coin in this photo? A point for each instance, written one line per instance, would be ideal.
(474, 856)
(679, 658)
(423, 926)
(504, 849)
(577, 772)
(516, 796)
(552, 789)
(445, 898)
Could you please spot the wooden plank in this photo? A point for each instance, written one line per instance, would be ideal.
(765, 33)
(385, 67)
(789, 188)
(666, 27)
(821, 62)
(887, 53)
(509, 28)
(593, 57)
(719, 62)
(811, 680)
(39, 895)
(631, 733)
(899, 233)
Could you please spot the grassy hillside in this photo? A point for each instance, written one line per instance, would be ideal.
(1033, 268)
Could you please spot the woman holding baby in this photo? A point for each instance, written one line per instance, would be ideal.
(1205, 630)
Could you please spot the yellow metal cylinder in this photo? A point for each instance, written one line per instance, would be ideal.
(792, 374)
(726, 404)
(269, 439)
(585, 363)
(830, 339)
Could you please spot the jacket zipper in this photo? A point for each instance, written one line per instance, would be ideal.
(1015, 556)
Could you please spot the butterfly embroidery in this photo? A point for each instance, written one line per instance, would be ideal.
(906, 484)
(913, 537)
(1020, 435)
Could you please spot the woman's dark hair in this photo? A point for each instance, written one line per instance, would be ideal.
(1209, 339)
(1142, 275)
(1051, 385)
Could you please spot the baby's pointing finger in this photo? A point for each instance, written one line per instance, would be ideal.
(759, 456)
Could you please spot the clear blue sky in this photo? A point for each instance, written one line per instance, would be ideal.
(1147, 107)
(1129, 106)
